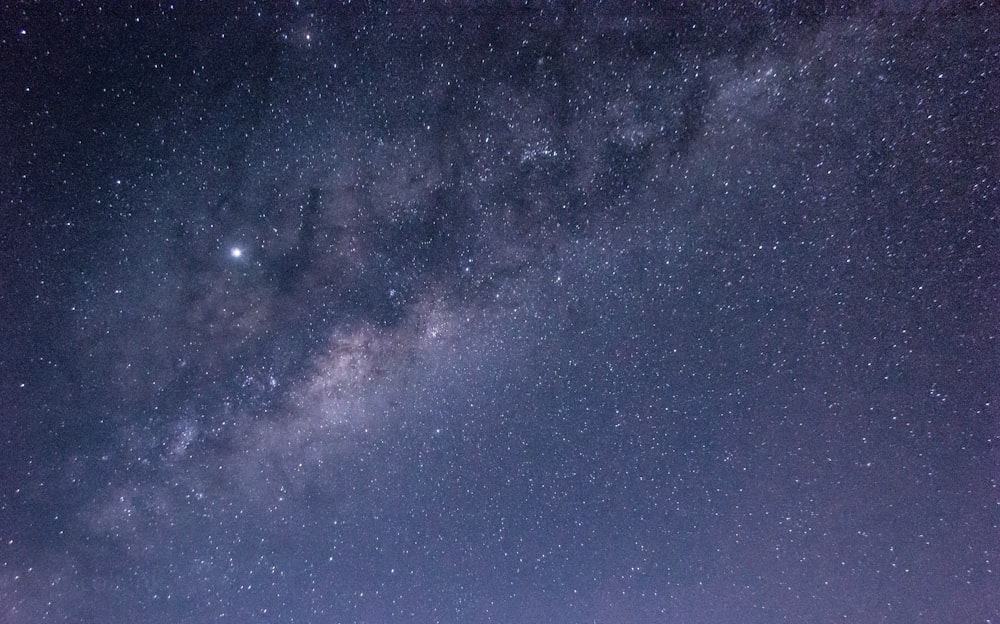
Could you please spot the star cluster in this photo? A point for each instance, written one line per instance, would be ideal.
(499, 313)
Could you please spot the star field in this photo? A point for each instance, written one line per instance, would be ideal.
(499, 313)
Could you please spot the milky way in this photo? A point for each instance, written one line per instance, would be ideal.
(499, 313)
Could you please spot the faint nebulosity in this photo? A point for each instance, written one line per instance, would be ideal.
(514, 312)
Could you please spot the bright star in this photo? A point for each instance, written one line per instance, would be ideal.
(236, 252)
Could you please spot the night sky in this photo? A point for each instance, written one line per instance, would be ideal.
(499, 313)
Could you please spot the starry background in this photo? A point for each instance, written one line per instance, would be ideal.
(499, 313)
